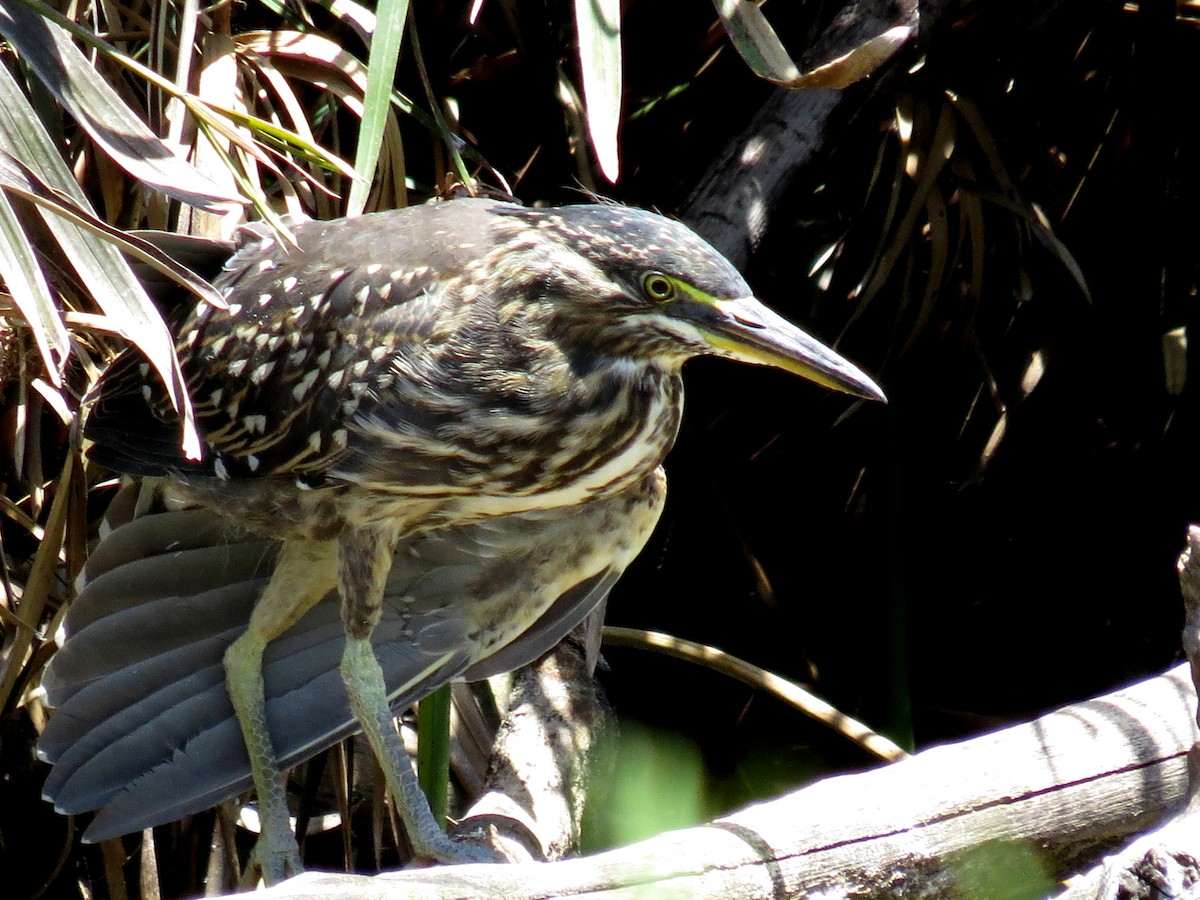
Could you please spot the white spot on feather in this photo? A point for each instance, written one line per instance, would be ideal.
(260, 374)
(303, 385)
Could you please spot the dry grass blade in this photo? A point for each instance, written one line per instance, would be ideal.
(860, 62)
(113, 854)
(576, 124)
(38, 587)
(939, 253)
(247, 185)
(358, 17)
(449, 141)
(54, 399)
(76, 84)
(16, 177)
(280, 104)
(109, 278)
(217, 87)
(278, 57)
(903, 132)
(286, 143)
(760, 679)
(10, 619)
(928, 169)
(27, 284)
(758, 44)
(1175, 360)
(1036, 223)
(211, 122)
(1010, 197)
(971, 222)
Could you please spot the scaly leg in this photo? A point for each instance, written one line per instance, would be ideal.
(365, 558)
(304, 573)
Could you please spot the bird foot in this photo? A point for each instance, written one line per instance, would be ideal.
(449, 851)
(272, 862)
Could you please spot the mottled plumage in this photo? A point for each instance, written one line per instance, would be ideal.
(464, 375)
(361, 374)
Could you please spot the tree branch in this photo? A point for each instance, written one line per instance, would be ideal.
(1066, 784)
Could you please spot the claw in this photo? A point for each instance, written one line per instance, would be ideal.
(449, 851)
(272, 860)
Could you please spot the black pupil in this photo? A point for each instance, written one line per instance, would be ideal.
(659, 287)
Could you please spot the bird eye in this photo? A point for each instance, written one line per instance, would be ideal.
(658, 286)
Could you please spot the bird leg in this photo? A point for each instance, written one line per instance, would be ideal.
(365, 558)
(305, 572)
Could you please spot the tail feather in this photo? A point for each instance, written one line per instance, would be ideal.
(144, 730)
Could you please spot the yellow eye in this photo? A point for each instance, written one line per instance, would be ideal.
(658, 286)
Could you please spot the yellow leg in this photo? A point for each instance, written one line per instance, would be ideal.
(368, 698)
(364, 560)
(304, 573)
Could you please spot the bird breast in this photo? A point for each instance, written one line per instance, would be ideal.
(608, 429)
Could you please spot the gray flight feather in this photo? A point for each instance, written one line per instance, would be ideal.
(143, 729)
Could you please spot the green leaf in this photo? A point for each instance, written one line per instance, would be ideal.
(433, 750)
(381, 73)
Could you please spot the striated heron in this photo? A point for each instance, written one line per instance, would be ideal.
(452, 416)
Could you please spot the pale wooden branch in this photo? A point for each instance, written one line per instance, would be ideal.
(1063, 784)
(1164, 862)
(543, 754)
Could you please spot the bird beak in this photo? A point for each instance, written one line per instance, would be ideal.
(745, 330)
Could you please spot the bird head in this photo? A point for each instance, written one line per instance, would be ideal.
(638, 284)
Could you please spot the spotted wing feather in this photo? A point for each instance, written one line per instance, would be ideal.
(314, 334)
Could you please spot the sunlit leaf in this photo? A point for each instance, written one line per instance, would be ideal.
(928, 170)
(217, 85)
(97, 263)
(860, 62)
(27, 284)
(1175, 356)
(758, 44)
(74, 81)
(756, 41)
(357, 16)
(381, 73)
(18, 178)
(599, 25)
